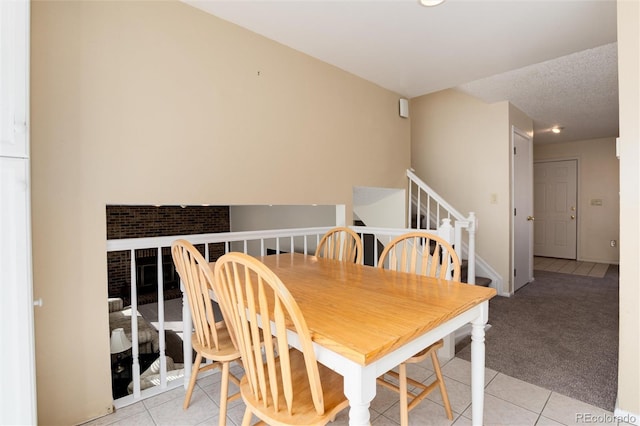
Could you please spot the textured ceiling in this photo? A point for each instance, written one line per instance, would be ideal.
(578, 92)
(553, 59)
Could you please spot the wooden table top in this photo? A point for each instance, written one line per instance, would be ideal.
(363, 312)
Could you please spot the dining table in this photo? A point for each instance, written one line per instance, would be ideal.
(364, 320)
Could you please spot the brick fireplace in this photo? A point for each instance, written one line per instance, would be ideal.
(151, 221)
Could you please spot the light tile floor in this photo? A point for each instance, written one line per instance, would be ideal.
(574, 267)
(508, 401)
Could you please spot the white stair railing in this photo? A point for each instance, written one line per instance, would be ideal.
(425, 202)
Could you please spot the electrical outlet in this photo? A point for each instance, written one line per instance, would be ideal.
(613, 243)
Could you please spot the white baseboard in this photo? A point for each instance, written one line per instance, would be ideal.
(622, 416)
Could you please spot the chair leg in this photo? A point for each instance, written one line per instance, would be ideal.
(192, 381)
(224, 394)
(246, 420)
(404, 402)
(443, 389)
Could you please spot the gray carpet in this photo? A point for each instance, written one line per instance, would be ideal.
(559, 332)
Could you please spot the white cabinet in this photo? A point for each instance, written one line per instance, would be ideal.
(17, 392)
(17, 348)
(14, 78)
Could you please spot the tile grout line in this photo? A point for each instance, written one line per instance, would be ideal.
(520, 406)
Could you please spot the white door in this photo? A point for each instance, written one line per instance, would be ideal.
(522, 209)
(555, 208)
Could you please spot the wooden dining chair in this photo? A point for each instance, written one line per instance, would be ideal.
(340, 243)
(282, 385)
(210, 339)
(425, 254)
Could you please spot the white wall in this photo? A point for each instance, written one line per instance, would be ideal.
(629, 98)
(380, 207)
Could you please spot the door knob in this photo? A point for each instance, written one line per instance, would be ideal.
(573, 217)
(530, 218)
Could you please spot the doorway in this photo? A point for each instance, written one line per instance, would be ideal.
(555, 208)
(522, 196)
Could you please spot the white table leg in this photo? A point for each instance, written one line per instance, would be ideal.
(477, 364)
(360, 389)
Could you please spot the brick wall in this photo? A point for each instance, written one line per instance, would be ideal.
(150, 221)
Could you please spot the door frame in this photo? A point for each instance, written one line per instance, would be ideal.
(516, 131)
(578, 198)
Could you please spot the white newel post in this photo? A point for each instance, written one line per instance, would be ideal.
(471, 266)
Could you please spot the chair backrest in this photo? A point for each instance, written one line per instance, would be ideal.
(249, 294)
(340, 243)
(421, 253)
(197, 279)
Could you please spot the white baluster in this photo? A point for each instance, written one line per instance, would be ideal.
(134, 328)
(409, 198)
(160, 283)
(187, 330)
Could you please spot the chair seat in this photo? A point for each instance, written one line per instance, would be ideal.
(222, 357)
(303, 408)
(417, 358)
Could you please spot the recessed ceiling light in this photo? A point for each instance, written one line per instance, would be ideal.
(429, 3)
(557, 130)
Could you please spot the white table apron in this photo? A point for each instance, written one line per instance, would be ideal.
(360, 381)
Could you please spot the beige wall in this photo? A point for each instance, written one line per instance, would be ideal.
(629, 85)
(460, 147)
(159, 103)
(251, 218)
(520, 120)
(598, 178)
